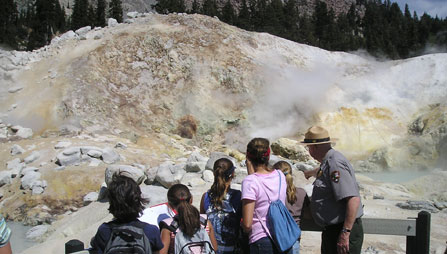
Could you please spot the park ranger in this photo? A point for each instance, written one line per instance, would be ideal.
(335, 203)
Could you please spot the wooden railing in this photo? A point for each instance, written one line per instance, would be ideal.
(417, 231)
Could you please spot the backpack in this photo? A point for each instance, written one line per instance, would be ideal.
(282, 227)
(198, 244)
(128, 239)
(225, 219)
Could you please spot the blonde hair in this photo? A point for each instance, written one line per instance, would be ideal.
(285, 167)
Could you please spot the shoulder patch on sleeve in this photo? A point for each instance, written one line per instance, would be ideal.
(335, 176)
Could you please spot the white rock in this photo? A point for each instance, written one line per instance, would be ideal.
(109, 156)
(133, 172)
(36, 232)
(29, 179)
(192, 180)
(208, 176)
(169, 174)
(16, 149)
(112, 22)
(5, 178)
(25, 133)
(66, 160)
(27, 170)
(90, 197)
(62, 144)
(37, 190)
(132, 14)
(71, 151)
(83, 30)
(13, 163)
(94, 153)
(32, 157)
(15, 89)
(94, 162)
(120, 145)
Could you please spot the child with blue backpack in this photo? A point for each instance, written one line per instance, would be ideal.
(257, 188)
(222, 204)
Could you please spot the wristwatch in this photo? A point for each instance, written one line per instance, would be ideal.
(345, 230)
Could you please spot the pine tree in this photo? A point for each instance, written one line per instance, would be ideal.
(243, 19)
(228, 15)
(290, 22)
(100, 13)
(195, 8)
(210, 8)
(116, 10)
(8, 23)
(91, 15)
(80, 18)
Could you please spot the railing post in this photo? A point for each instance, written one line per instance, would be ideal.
(73, 246)
(411, 245)
(423, 232)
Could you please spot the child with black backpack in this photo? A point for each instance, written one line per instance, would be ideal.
(125, 233)
(188, 232)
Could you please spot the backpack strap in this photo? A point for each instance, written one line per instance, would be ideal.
(279, 191)
(256, 213)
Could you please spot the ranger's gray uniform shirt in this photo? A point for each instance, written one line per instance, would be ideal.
(335, 181)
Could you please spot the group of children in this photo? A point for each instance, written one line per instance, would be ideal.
(229, 221)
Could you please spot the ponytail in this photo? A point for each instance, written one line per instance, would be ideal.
(287, 170)
(188, 217)
(223, 173)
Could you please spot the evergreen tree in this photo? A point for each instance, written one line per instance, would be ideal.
(290, 22)
(209, 8)
(243, 20)
(274, 18)
(228, 15)
(91, 16)
(79, 17)
(8, 22)
(44, 24)
(116, 10)
(195, 8)
(100, 13)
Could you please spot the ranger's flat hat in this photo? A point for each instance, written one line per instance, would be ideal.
(316, 135)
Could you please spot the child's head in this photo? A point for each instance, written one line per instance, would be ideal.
(188, 217)
(126, 203)
(258, 151)
(286, 168)
(178, 193)
(223, 174)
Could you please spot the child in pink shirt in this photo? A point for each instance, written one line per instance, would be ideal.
(260, 182)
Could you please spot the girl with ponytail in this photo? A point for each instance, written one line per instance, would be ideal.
(259, 188)
(187, 226)
(223, 206)
(296, 198)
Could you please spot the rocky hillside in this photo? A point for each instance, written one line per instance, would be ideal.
(160, 95)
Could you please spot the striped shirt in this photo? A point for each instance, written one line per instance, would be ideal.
(5, 232)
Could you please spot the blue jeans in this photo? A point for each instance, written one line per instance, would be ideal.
(265, 246)
(296, 248)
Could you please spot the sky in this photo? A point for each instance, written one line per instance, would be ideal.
(431, 7)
